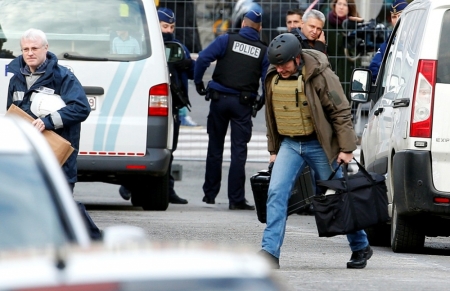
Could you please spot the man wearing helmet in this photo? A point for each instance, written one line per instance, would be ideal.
(308, 121)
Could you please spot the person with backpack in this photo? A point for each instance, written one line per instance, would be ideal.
(308, 120)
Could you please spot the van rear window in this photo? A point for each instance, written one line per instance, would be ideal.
(443, 69)
(104, 29)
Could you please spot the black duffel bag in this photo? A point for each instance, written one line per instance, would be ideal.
(359, 201)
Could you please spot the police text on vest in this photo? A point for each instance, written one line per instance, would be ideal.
(246, 49)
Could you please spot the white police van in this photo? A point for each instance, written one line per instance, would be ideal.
(407, 137)
(127, 138)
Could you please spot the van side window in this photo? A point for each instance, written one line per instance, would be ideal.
(411, 43)
(388, 63)
(443, 69)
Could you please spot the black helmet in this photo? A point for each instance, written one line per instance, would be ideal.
(283, 48)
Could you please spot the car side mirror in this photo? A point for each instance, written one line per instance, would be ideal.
(174, 51)
(360, 85)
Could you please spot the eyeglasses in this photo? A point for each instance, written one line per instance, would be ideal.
(32, 49)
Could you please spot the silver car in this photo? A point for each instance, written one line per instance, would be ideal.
(36, 205)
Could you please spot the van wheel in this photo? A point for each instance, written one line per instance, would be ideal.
(406, 236)
(379, 235)
(151, 193)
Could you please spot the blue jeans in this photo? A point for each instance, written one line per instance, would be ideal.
(289, 164)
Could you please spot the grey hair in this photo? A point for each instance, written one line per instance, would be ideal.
(313, 13)
(34, 34)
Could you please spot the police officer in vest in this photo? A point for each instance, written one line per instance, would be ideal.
(241, 63)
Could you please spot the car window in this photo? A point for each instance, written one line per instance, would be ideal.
(443, 69)
(28, 215)
(84, 28)
(411, 43)
(402, 53)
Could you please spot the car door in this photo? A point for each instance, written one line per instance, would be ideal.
(377, 134)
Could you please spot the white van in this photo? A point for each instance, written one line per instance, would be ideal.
(127, 138)
(407, 137)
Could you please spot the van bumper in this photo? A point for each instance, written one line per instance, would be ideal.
(112, 169)
(414, 192)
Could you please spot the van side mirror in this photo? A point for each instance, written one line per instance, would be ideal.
(360, 86)
(174, 51)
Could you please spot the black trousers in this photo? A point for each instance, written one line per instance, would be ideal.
(223, 112)
(176, 133)
(94, 231)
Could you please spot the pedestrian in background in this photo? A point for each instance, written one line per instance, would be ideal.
(233, 90)
(310, 34)
(294, 19)
(185, 119)
(396, 9)
(37, 71)
(308, 122)
(342, 18)
(184, 70)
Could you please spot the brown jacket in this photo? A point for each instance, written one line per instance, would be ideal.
(331, 112)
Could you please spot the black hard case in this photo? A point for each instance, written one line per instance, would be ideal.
(300, 199)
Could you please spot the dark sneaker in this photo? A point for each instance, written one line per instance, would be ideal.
(175, 199)
(274, 261)
(241, 206)
(208, 200)
(125, 193)
(359, 258)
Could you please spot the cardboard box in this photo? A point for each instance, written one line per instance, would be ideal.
(60, 146)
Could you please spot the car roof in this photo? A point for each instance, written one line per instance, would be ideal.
(20, 138)
(161, 263)
(14, 139)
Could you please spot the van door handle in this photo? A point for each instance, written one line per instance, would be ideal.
(401, 102)
(378, 111)
(93, 90)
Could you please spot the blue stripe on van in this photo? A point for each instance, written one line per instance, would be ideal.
(123, 103)
(100, 131)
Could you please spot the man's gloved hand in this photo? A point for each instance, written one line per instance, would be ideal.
(183, 65)
(200, 87)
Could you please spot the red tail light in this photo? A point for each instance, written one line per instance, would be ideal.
(158, 100)
(422, 105)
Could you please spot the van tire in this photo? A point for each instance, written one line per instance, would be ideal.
(406, 236)
(151, 193)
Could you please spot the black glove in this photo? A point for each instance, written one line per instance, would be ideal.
(200, 87)
(259, 103)
(183, 65)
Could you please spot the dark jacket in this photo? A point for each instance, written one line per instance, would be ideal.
(181, 72)
(306, 44)
(188, 73)
(330, 109)
(216, 50)
(377, 59)
(66, 85)
(342, 60)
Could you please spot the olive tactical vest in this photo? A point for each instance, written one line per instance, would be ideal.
(291, 108)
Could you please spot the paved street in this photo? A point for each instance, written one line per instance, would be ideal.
(307, 262)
